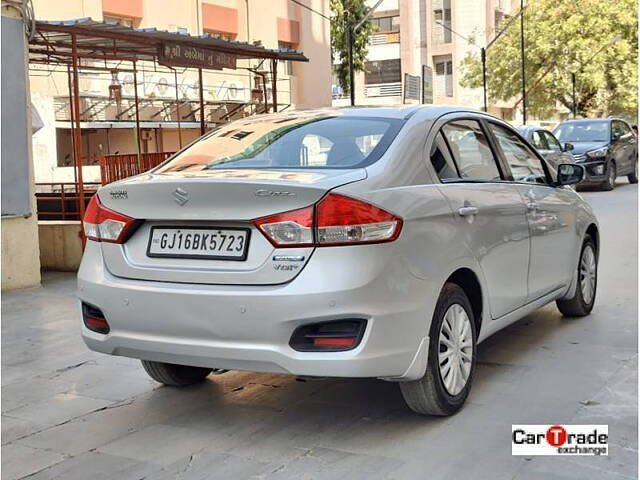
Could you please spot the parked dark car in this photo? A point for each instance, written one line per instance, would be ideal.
(606, 147)
(547, 144)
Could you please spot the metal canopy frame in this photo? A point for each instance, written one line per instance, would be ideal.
(67, 42)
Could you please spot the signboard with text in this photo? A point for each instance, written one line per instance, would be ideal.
(427, 84)
(174, 54)
(411, 87)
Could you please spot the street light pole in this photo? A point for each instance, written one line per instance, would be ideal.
(483, 52)
(352, 90)
(349, 31)
(483, 56)
(573, 94)
(524, 81)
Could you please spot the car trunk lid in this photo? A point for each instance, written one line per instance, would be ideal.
(214, 199)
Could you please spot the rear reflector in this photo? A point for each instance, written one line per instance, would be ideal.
(331, 336)
(105, 225)
(334, 342)
(94, 319)
(334, 220)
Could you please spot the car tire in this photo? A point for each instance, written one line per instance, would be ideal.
(429, 395)
(175, 375)
(633, 177)
(612, 174)
(582, 301)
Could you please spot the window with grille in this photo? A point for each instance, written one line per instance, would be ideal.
(382, 71)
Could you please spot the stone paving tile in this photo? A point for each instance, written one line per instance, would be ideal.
(158, 444)
(18, 461)
(327, 463)
(97, 466)
(15, 428)
(206, 465)
(57, 409)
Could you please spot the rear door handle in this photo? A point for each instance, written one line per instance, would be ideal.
(467, 211)
(531, 205)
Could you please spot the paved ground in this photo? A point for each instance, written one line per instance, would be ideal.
(71, 414)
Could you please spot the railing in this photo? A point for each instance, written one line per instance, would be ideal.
(59, 200)
(384, 38)
(117, 167)
(383, 90)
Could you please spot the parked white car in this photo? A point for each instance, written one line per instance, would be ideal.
(369, 242)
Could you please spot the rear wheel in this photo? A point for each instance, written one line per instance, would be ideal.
(612, 174)
(452, 357)
(633, 177)
(175, 375)
(584, 297)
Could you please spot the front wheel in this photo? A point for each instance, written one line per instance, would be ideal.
(452, 357)
(584, 297)
(612, 174)
(175, 375)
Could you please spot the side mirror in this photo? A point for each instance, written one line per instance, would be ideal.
(567, 147)
(615, 136)
(570, 173)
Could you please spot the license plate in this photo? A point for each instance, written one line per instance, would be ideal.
(203, 242)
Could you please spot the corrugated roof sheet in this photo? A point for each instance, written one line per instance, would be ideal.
(143, 43)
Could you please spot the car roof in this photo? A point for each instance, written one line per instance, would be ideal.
(403, 112)
(589, 120)
(530, 128)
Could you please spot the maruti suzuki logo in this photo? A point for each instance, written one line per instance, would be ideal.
(180, 196)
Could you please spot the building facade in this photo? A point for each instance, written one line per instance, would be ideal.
(171, 97)
(434, 33)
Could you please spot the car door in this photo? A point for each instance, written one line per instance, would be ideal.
(555, 150)
(551, 214)
(540, 143)
(628, 148)
(619, 147)
(489, 213)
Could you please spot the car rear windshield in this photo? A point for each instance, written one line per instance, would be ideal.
(289, 142)
(583, 132)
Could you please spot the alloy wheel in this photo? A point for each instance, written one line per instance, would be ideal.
(455, 352)
(588, 274)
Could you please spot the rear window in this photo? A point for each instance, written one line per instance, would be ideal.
(296, 142)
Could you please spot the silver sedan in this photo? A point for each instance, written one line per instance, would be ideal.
(369, 242)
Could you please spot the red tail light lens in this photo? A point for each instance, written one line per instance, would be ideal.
(335, 220)
(104, 225)
(344, 220)
(289, 229)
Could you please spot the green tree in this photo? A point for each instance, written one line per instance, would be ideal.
(348, 13)
(597, 40)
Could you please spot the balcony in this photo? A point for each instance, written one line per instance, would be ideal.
(384, 38)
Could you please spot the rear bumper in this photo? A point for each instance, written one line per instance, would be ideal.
(249, 327)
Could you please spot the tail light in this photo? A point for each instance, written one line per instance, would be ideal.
(289, 229)
(104, 225)
(334, 220)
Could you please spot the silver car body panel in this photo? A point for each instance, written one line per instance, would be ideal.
(238, 319)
